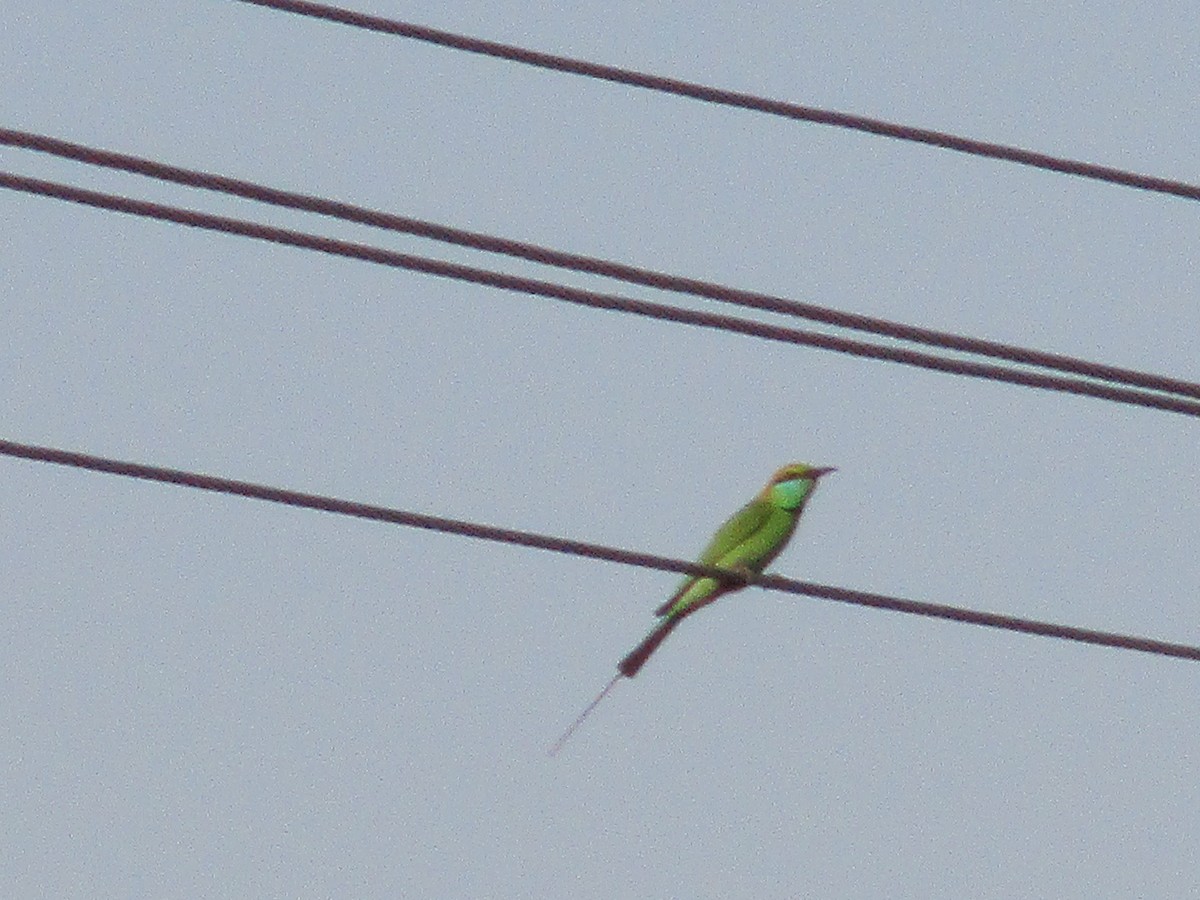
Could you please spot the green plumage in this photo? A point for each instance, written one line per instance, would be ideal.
(749, 540)
(746, 544)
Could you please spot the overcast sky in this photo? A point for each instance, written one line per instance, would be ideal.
(212, 696)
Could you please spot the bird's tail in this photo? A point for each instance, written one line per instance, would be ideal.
(637, 657)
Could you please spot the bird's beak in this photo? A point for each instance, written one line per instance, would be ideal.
(818, 472)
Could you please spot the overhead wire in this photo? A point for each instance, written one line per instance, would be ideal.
(641, 276)
(730, 98)
(577, 262)
(597, 300)
(647, 277)
(590, 550)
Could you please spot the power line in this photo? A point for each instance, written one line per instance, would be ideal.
(589, 550)
(592, 265)
(594, 299)
(737, 99)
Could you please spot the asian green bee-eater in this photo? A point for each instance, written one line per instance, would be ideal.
(746, 544)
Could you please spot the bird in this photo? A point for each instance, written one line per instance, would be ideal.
(745, 545)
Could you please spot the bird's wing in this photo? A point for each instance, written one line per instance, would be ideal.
(758, 548)
(743, 524)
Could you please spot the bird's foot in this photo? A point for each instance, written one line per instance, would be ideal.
(740, 575)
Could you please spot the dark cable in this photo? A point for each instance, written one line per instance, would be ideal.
(576, 262)
(593, 299)
(589, 550)
(733, 98)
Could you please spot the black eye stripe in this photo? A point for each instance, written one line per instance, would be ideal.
(784, 479)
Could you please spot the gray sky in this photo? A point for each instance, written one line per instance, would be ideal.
(209, 696)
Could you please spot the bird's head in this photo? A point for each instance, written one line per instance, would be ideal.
(791, 486)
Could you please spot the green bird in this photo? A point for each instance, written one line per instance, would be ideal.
(746, 544)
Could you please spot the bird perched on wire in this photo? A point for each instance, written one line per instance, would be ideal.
(745, 545)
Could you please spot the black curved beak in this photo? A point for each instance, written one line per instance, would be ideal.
(818, 472)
